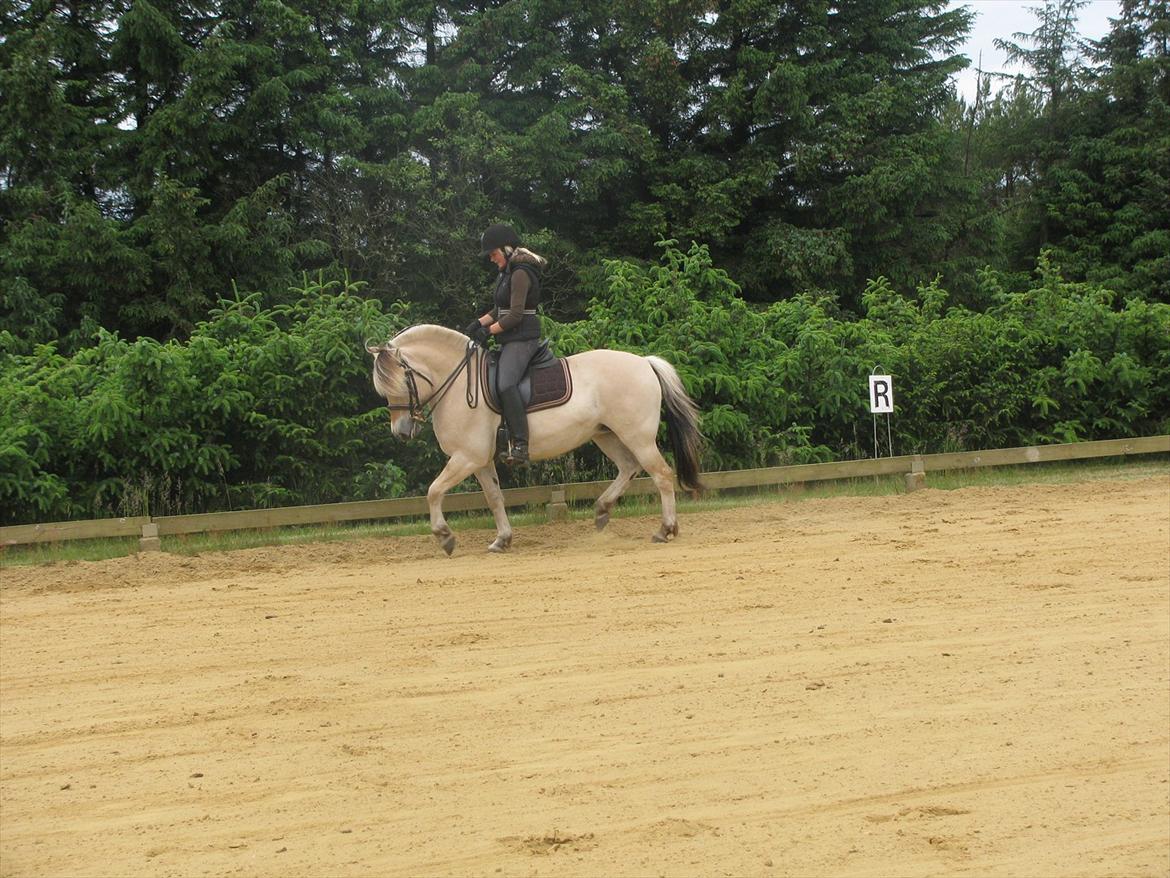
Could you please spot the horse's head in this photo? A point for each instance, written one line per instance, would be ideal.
(392, 381)
(421, 353)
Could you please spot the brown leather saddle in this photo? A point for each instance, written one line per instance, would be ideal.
(546, 384)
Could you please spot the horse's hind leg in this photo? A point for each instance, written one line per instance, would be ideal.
(628, 467)
(650, 459)
(489, 481)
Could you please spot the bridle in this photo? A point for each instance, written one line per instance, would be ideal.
(415, 405)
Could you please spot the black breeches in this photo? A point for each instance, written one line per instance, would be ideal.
(514, 359)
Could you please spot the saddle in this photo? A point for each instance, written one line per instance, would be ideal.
(546, 384)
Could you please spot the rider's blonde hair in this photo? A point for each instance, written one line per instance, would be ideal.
(523, 254)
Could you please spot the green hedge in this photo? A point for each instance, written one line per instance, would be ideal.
(260, 407)
(788, 383)
(273, 406)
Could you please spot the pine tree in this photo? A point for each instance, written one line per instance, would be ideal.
(1111, 196)
(58, 118)
(1081, 147)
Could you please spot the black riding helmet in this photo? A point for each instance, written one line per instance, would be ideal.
(497, 236)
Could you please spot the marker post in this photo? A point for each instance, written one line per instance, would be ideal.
(881, 402)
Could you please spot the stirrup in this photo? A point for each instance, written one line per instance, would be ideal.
(517, 454)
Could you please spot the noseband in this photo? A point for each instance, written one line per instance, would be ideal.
(415, 405)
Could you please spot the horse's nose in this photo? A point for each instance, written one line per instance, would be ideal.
(404, 428)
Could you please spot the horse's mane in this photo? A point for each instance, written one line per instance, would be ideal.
(426, 333)
(388, 375)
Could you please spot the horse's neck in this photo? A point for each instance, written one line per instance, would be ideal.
(438, 353)
(433, 348)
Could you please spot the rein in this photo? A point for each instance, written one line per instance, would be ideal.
(417, 406)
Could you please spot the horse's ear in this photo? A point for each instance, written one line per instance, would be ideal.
(374, 349)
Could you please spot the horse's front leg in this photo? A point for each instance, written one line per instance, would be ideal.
(490, 482)
(457, 469)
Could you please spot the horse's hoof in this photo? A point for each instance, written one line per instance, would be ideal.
(665, 533)
(601, 521)
(448, 544)
(500, 546)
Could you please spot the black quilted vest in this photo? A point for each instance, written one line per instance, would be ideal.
(529, 326)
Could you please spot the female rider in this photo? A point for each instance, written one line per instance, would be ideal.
(514, 323)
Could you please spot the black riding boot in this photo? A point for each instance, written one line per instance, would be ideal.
(517, 420)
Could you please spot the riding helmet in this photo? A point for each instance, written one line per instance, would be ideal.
(497, 236)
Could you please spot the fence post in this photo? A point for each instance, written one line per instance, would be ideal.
(558, 509)
(916, 478)
(149, 541)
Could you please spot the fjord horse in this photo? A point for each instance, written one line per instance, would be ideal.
(617, 402)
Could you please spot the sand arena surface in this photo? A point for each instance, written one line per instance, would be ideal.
(945, 683)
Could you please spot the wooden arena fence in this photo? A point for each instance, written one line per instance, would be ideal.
(557, 497)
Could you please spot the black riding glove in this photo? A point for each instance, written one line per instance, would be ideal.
(471, 330)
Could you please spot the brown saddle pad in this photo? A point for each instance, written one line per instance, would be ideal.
(543, 388)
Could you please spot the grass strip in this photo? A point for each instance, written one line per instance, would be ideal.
(1105, 469)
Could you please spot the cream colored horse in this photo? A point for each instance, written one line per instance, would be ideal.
(617, 402)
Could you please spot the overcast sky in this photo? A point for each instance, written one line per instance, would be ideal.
(1003, 18)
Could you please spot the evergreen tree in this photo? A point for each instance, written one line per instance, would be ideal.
(1082, 151)
(802, 141)
(1110, 198)
(154, 152)
(58, 118)
(181, 152)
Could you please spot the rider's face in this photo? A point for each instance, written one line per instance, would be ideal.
(497, 256)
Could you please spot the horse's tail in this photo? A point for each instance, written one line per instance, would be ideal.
(682, 423)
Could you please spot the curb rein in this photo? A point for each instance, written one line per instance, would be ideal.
(417, 406)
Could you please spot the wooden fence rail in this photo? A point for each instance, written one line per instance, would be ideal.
(913, 466)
